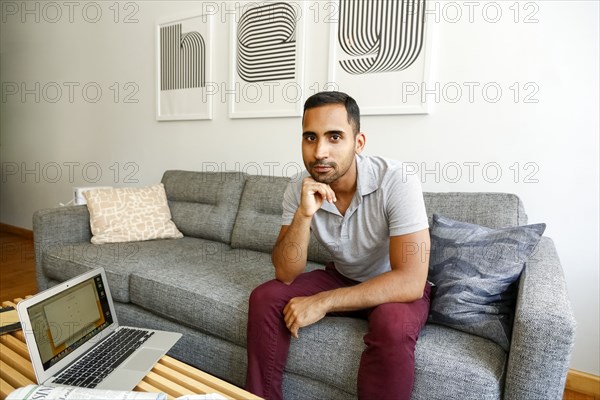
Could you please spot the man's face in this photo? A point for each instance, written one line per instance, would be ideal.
(328, 143)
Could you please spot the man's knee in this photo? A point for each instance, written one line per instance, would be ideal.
(395, 323)
(268, 294)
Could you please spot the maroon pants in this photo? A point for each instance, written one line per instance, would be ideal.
(386, 368)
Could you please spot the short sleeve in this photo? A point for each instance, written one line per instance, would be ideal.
(291, 201)
(405, 206)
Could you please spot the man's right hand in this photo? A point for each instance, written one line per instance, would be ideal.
(291, 249)
(313, 195)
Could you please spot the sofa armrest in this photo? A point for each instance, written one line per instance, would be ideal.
(58, 227)
(543, 331)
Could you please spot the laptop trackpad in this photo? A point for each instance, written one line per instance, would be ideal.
(144, 359)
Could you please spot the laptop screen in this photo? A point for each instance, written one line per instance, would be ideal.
(69, 319)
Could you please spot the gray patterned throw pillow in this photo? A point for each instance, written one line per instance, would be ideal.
(475, 270)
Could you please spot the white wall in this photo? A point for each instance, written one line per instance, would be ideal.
(554, 141)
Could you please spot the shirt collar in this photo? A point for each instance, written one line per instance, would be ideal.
(366, 181)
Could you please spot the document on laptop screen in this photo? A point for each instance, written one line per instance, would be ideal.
(64, 322)
(79, 310)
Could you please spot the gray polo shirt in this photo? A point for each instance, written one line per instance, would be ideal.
(388, 202)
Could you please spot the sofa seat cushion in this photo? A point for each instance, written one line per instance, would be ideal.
(213, 298)
(120, 260)
(446, 360)
(211, 295)
(450, 364)
(329, 351)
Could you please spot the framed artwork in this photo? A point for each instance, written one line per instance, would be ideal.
(183, 68)
(266, 74)
(379, 54)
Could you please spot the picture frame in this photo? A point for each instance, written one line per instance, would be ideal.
(380, 54)
(184, 53)
(266, 77)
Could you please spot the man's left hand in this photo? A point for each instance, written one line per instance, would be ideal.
(303, 311)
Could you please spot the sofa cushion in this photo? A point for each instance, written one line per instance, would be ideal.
(474, 268)
(451, 364)
(215, 301)
(494, 210)
(206, 298)
(212, 296)
(259, 219)
(64, 261)
(204, 204)
(330, 351)
(130, 214)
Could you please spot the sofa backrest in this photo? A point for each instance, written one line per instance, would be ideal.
(494, 210)
(245, 210)
(259, 217)
(204, 204)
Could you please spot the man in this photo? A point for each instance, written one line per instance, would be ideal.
(371, 217)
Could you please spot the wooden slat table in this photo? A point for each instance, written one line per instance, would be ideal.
(169, 375)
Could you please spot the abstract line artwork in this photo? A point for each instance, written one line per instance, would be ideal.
(183, 73)
(379, 48)
(182, 58)
(388, 33)
(266, 43)
(267, 59)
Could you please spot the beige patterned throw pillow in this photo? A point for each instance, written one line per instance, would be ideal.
(130, 214)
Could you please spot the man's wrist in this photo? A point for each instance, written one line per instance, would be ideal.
(327, 300)
(302, 216)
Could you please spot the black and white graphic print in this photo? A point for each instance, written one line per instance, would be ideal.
(381, 35)
(266, 43)
(182, 58)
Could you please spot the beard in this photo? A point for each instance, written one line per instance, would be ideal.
(327, 177)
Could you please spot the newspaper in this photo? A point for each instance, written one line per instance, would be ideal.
(9, 320)
(40, 392)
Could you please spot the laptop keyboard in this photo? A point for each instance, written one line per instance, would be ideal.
(90, 370)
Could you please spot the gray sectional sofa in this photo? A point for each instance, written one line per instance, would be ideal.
(199, 285)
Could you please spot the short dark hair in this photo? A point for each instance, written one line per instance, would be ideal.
(325, 98)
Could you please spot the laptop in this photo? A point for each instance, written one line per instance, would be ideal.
(67, 325)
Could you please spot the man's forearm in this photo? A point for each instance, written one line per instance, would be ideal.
(403, 284)
(290, 252)
(390, 287)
